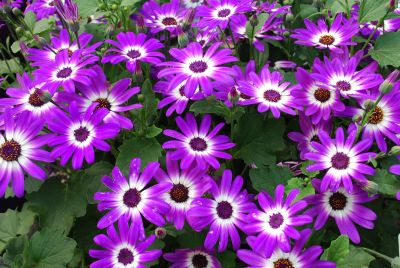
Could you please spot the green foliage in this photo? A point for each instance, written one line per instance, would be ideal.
(372, 10)
(87, 7)
(337, 6)
(305, 187)
(92, 178)
(385, 51)
(338, 250)
(267, 178)
(387, 183)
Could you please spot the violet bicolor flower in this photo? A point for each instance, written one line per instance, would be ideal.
(192, 258)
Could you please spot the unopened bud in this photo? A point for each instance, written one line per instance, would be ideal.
(16, 11)
(183, 39)
(357, 118)
(160, 232)
(141, 98)
(369, 104)
(139, 73)
(387, 85)
(19, 30)
(74, 26)
(114, 7)
(141, 26)
(188, 20)
(395, 150)
(253, 20)
(289, 17)
(23, 47)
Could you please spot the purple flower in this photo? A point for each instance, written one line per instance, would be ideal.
(308, 134)
(342, 159)
(224, 213)
(268, 91)
(296, 257)
(68, 11)
(206, 37)
(192, 3)
(344, 207)
(319, 101)
(197, 144)
(389, 25)
(131, 198)
(275, 224)
(65, 71)
(78, 134)
(218, 13)
(322, 37)
(183, 258)
(19, 145)
(133, 48)
(122, 248)
(187, 184)
(198, 68)
(42, 8)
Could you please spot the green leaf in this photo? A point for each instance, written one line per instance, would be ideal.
(267, 178)
(357, 258)
(9, 66)
(150, 101)
(43, 25)
(337, 6)
(30, 20)
(126, 3)
(14, 223)
(148, 150)
(387, 183)
(92, 179)
(87, 7)
(152, 131)
(338, 250)
(32, 185)
(257, 140)
(85, 228)
(306, 189)
(49, 249)
(303, 169)
(307, 10)
(386, 51)
(210, 106)
(227, 259)
(372, 10)
(262, 18)
(15, 248)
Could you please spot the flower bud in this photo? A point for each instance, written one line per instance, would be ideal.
(289, 17)
(395, 150)
(141, 26)
(183, 39)
(23, 47)
(387, 85)
(160, 232)
(140, 98)
(188, 20)
(369, 104)
(253, 20)
(16, 11)
(357, 118)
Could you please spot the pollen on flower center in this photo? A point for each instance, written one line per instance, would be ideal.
(199, 261)
(132, 198)
(340, 161)
(224, 210)
(198, 66)
(10, 150)
(179, 193)
(64, 73)
(376, 116)
(133, 54)
(272, 95)
(35, 98)
(327, 39)
(276, 220)
(103, 103)
(125, 256)
(283, 263)
(224, 13)
(322, 95)
(198, 144)
(343, 85)
(338, 201)
(169, 21)
(81, 134)
(182, 91)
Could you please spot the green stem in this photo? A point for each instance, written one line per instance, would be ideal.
(77, 39)
(377, 254)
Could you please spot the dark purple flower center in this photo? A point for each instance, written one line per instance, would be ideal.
(376, 116)
(199, 261)
(202, 42)
(340, 161)
(327, 39)
(343, 85)
(81, 134)
(125, 256)
(133, 54)
(35, 99)
(132, 198)
(338, 201)
(198, 144)
(272, 95)
(10, 150)
(275, 220)
(179, 193)
(194, 1)
(224, 210)
(224, 13)
(244, 96)
(64, 73)
(198, 66)
(283, 263)
(182, 91)
(322, 95)
(103, 103)
(169, 21)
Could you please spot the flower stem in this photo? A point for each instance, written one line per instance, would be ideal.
(377, 254)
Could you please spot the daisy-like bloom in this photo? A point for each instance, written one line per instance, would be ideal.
(269, 92)
(192, 3)
(342, 159)
(308, 134)
(65, 71)
(78, 134)
(275, 224)
(19, 145)
(344, 77)
(30, 96)
(297, 257)
(133, 49)
(318, 100)
(322, 37)
(42, 8)
(197, 144)
(122, 248)
(224, 213)
(187, 184)
(165, 17)
(344, 207)
(131, 198)
(207, 37)
(198, 69)
(68, 11)
(218, 13)
(110, 97)
(389, 25)
(44, 56)
(192, 258)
